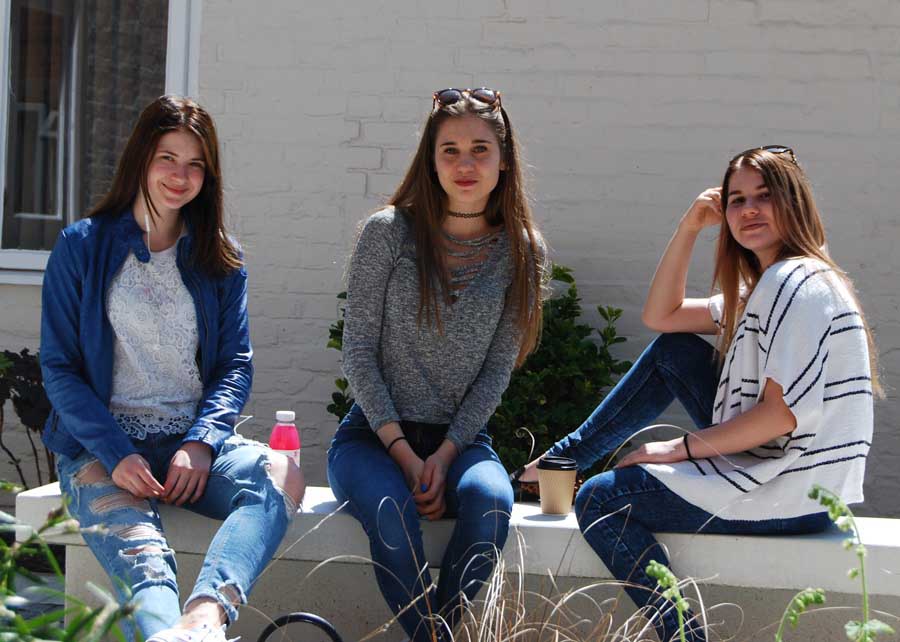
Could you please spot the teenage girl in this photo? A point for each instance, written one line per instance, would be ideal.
(444, 300)
(785, 403)
(146, 357)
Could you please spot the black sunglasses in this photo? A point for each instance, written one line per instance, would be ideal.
(774, 149)
(451, 96)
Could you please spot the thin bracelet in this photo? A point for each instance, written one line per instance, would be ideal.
(395, 440)
(687, 448)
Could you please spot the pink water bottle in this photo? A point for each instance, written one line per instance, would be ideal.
(285, 438)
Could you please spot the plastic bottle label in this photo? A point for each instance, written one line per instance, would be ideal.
(290, 454)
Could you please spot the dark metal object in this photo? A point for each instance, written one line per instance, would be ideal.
(306, 618)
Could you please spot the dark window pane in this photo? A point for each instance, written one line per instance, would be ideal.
(80, 73)
(35, 202)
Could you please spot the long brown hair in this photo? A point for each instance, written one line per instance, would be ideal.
(802, 235)
(421, 198)
(212, 252)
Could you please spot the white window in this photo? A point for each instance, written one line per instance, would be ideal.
(77, 74)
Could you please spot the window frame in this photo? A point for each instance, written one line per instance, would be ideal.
(26, 267)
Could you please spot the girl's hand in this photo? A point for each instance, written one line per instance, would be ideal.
(188, 472)
(411, 466)
(706, 210)
(656, 452)
(430, 495)
(133, 474)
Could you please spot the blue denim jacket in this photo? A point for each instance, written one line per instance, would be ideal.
(77, 340)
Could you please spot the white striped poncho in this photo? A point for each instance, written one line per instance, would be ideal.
(802, 329)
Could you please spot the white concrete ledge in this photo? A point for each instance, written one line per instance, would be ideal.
(555, 544)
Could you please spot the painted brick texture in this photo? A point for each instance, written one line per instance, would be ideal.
(626, 111)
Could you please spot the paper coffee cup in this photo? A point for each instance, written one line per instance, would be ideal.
(556, 478)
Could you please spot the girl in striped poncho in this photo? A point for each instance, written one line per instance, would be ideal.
(785, 403)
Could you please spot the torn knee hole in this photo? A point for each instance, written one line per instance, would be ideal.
(144, 549)
(92, 472)
(137, 531)
(116, 500)
(286, 476)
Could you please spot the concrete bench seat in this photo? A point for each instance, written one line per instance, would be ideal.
(552, 543)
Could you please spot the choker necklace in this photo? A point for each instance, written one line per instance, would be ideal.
(465, 214)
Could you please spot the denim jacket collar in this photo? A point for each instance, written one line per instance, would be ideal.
(131, 235)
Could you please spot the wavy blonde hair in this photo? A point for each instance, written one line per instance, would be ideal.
(802, 235)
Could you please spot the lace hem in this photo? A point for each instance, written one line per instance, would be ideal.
(139, 426)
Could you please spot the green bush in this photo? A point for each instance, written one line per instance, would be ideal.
(556, 388)
(21, 381)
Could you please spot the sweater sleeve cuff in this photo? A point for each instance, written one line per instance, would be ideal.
(380, 421)
(454, 438)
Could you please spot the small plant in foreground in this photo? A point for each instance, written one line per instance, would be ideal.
(797, 606)
(666, 580)
(86, 624)
(865, 630)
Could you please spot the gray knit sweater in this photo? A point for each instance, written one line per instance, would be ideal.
(400, 370)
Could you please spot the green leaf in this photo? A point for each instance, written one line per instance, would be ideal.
(561, 273)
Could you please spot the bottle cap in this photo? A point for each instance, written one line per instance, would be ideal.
(285, 416)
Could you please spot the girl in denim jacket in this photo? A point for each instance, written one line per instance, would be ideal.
(146, 357)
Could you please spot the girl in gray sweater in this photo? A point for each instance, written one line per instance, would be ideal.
(443, 301)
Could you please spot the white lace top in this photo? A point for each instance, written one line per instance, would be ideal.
(156, 383)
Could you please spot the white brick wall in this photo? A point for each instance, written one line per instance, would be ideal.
(626, 110)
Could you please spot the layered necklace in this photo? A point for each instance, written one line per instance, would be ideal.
(471, 254)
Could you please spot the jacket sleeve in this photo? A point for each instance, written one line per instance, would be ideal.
(84, 415)
(228, 390)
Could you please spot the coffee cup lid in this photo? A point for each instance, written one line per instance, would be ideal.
(552, 462)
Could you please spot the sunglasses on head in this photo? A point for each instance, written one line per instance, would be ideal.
(774, 149)
(451, 96)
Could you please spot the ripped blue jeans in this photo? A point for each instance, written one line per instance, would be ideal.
(117, 526)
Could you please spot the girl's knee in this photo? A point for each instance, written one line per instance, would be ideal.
(287, 476)
(486, 495)
(592, 496)
(670, 342)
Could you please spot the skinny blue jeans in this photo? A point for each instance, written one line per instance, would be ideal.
(478, 494)
(116, 526)
(619, 510)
